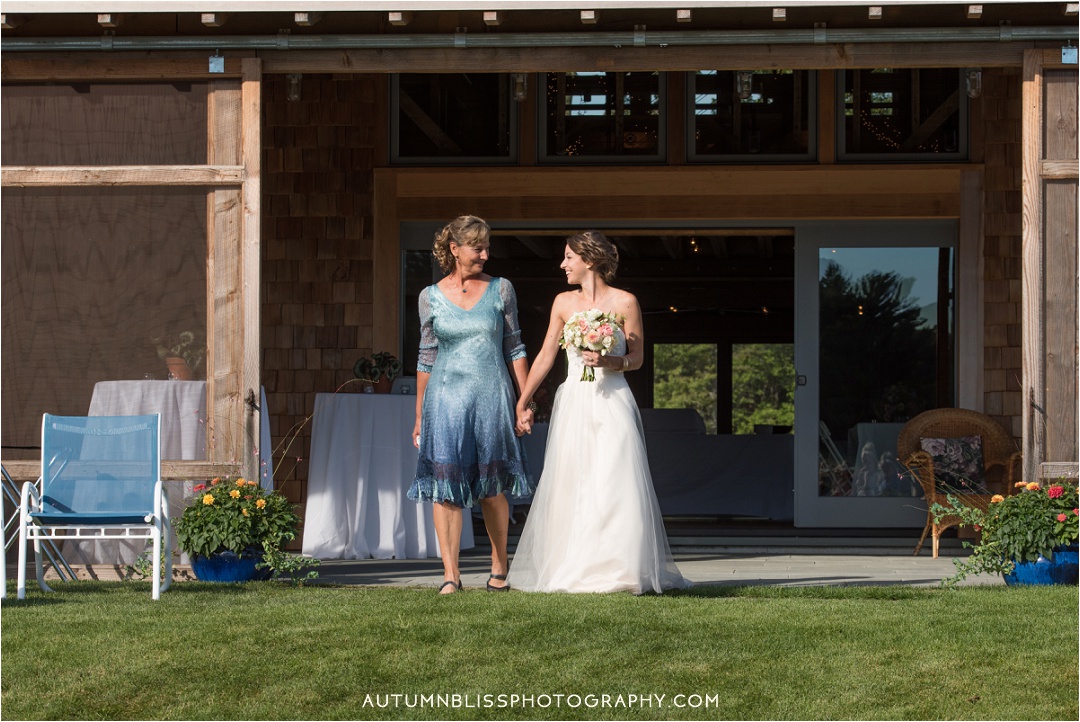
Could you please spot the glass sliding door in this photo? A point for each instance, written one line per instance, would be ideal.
(875, 345)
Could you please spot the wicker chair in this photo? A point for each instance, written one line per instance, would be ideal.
(1001, 460)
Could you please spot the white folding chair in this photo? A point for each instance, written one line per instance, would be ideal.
(100, 479)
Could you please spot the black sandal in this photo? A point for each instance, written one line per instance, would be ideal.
(501, 578)
(456, 585)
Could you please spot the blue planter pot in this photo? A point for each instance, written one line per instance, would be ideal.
(1064, 569)
(229, 567)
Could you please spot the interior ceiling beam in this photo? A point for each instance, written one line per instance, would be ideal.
(672, 247)
(537, 247)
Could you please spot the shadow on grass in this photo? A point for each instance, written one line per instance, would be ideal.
(765, 590)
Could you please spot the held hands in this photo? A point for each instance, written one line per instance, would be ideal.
(525, 419)
(415, 438)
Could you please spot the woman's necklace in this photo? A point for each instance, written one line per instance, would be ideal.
(596, 303)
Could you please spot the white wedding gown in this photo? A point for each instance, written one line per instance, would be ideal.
(594, 524)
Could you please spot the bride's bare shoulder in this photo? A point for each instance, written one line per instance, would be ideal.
(564, 300)
(624, 300)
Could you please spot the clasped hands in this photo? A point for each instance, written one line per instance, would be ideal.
(525, 420)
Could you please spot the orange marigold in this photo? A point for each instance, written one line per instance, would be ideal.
(215, 480)
(234, 494)
(260, 503)
(1033, 486)
(1020, 484)
(208, 499)
(996, 498)
(241, 482)
(244, 512)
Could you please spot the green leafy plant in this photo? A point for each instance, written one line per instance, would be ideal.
(238, 515)
(1016, 528)
(377, 366)
(280, 562)
(186, 345)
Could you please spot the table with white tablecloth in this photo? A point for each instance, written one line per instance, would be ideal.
(361, 466)
(182, 405)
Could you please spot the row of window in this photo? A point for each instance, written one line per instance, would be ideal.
(755, 116)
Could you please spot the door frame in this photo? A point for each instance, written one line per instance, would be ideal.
(812, 510)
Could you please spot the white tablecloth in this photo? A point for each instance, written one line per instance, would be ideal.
(182, 405)
(361, 466)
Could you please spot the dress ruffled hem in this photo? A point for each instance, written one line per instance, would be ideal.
(432, 489)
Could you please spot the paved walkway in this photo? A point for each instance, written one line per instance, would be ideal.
(700, 567)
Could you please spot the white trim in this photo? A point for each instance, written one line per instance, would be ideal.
(268, 6)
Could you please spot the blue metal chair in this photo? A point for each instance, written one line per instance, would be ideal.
(100, 479)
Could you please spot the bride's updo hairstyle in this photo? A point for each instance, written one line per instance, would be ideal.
(464, 231)
(597, 251)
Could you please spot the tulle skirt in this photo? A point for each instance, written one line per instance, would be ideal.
(595, 524)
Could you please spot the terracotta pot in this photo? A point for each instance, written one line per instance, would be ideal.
(383, 385)
(179, 369)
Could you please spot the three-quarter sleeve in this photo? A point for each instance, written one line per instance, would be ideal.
(429, 344)
(513, 348)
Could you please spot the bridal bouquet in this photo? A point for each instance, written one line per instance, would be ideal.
(592, 330)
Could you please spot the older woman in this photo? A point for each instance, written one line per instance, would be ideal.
(471, 361)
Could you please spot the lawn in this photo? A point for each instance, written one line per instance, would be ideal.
(100, 650)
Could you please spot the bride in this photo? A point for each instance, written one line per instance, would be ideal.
(595, 524)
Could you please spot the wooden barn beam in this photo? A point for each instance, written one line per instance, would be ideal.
(649, 58)
(116, 67)
(104, 175)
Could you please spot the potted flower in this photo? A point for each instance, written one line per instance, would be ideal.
(379, 370)
(182, 352)
(234, 527)
(1029, 537)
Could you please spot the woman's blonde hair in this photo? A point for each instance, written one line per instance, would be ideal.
(597, 251)
(464, 231)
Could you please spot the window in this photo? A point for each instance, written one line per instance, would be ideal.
(763, 388)
(602, 117)
(751, 116)
(914, 113)
(684, 377)
(452, 117)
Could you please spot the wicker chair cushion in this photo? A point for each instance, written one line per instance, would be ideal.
(958, 464)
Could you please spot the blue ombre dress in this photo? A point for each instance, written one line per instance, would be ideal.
(468, 449)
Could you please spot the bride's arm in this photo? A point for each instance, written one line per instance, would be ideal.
(634, 330)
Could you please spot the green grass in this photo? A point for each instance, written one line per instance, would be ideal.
(97, 650)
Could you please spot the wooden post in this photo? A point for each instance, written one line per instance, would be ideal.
(251, 283)
(1049, 265)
